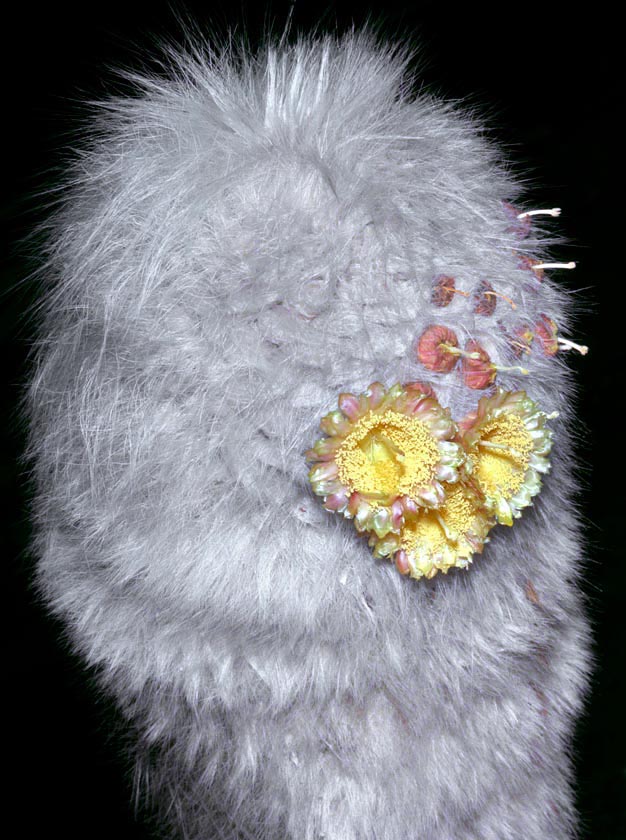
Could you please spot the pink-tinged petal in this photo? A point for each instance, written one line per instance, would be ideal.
(353, 503)
(443, 427)
(547, 334)
(446, 473)
(383, 546)
(381, 522)
(411, 405)
(325, 448)
(397, 514)
(443, 290)
(323, 471)
(375, 392)
(327, 488)
(432, 496)
(484, 300)
(402, 562)
(337, 502)
(518, 227)
(433, 348)
(362, 516)
(391, 397)
(334, 423)
(349, 405)
(480, 373)
(409, 505)
(420, 407)
(418, 388)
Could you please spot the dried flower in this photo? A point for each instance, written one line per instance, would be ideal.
(530, 264)
(478, 370)
(520, 224)
(438, 348)
(484, 299)
(521, 341)
(443, 290)
(546, 332)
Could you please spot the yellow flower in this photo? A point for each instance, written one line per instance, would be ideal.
(507, 443)
(387, 453)
(435, 540)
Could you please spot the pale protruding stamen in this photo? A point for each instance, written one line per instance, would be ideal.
(456, 351)
(500, 447)
(504, 297)
(552, 416)
(455, 291)
(523, 347)
(566, 344)
(513, 369)
(451, 536)
(398, 454)
(554, 211)
(540, 266)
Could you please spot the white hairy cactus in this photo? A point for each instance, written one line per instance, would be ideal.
(239, 243)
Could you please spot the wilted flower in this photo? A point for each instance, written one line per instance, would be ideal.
(484, 299)
(521, 341)
(478, 370)
(531, 264)
(438, 348)
(520, 224)
(444, 289)
(546, 332)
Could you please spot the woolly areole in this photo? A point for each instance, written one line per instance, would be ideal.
(242, 244)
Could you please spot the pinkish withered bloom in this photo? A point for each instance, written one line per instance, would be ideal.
(418, 387)
(444, 289)
(388, 453)
(521, 341)
(438, 348)
(520, 227)
(530, 264)
(546, 332)
(484, 299)
(478, 370)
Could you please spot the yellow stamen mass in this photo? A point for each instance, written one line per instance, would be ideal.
(441, 531)
(425, 490)
(388, 454)
(502, 463)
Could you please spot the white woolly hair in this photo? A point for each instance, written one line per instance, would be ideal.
(239, 242)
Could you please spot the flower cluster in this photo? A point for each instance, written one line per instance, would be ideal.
(425, 490)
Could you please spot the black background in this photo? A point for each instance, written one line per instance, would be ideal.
(543, 76)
